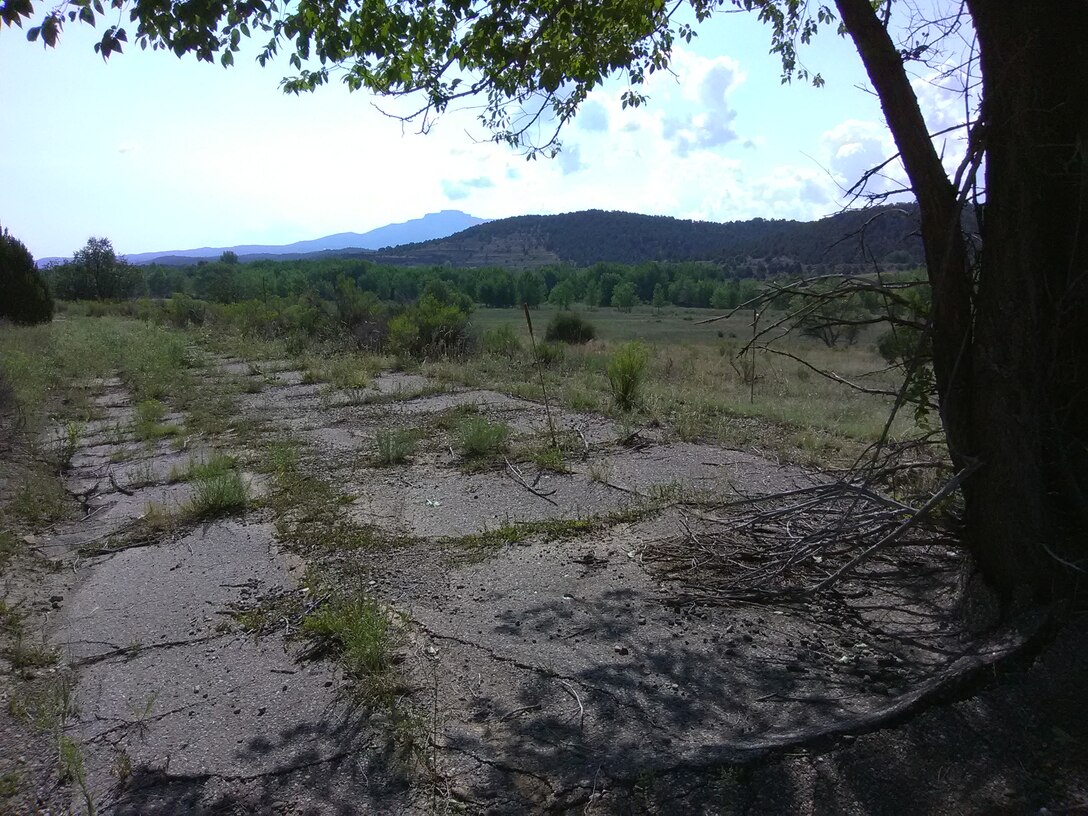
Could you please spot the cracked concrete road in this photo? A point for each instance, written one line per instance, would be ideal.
(551, 671)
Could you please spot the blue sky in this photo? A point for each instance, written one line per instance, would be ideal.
(159, 153)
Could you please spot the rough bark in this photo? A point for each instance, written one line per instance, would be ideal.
(1030, 351)
(1010, 356)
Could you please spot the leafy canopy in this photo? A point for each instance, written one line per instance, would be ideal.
(532, 61)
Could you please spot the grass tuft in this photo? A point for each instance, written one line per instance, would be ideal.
(359, 633)
(394, 447)
(218, 494)
(479, 438)
(627, 373)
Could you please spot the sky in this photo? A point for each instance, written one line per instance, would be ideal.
(159, 153)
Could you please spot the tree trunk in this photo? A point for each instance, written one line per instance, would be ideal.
(1010, 352)
(1028, 507)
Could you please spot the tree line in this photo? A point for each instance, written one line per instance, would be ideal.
(96, 272)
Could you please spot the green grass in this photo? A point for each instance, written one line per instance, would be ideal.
(51, 364)
(627, 373)
(673, 325)
(38, 500)
(215, 465)
(359, 634)
(345, 371)
(692, 387)
(394, 447)
(479, 438)
(149, 425)
(218, 494)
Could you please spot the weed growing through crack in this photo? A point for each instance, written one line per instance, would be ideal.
(218, 464)
(394, 447)
(479, 438)
(149, 424)
(601, 471)
(68, 443)
(73, 769)
(218, 494)
(24, 655)
(359, 633)
(550, 458)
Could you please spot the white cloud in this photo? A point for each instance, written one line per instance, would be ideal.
(946, 106)
(854, 147)
(592, 117)
(570, 160)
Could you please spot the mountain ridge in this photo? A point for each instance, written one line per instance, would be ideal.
(431, 226)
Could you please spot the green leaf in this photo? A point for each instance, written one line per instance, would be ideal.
(86, 16)
(32, 34)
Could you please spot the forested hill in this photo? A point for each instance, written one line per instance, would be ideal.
(887, 233)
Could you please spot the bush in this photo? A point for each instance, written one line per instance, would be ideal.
(569, 327)
(429, 327)
(26, 299)
(502, 340)
(626, 374)
(549, 354)
(900, 346)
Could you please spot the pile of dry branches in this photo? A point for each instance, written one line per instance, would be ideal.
(788, 545)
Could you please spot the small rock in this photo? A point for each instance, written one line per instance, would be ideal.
(56, 598)
(621, 650)
(261, 711)
(641, 620)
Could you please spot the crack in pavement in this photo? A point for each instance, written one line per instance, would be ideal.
(135, 652)
(546, 672)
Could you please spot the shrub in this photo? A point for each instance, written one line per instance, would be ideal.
(502, 340)
(26, 299)
(429, 327)
(479, 438)
(181, 310)
(900, 346)
(569, 327)
(549, 354)
(626, 374)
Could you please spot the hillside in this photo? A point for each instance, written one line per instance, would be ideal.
(584, 238)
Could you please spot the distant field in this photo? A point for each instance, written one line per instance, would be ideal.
(671, 325)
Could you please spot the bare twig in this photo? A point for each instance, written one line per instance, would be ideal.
(515, 474)
(581, 708)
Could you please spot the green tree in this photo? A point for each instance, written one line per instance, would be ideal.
(659, 296)
(562, 295)
(96, 273)
(1009, 328)
(530, 289)
(26, 298)
(624, 296)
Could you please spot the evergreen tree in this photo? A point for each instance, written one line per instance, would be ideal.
(25, 296)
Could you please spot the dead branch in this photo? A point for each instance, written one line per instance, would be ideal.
(516, 475)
